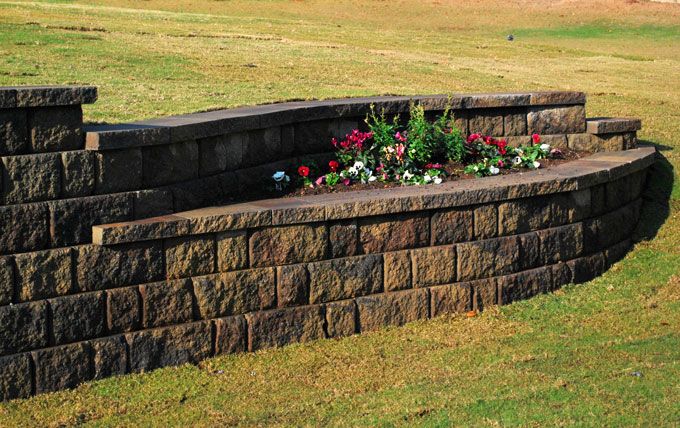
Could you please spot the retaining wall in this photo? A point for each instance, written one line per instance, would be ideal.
(93, 283)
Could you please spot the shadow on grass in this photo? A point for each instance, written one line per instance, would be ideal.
(656, 196)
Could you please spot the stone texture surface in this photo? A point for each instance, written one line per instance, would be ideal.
(341, 318)
(220, 153)
(77, 173)
(123, 309)
(263, 145)
(109, 357)
(24, 228)
(283, 326)
(433, 266)
(185, 257)
(231, 335)
(451, 226)
(6, 280)
(524, 284)
(345, 278)
(395, 308)
(556, 120)
(397, 232)
(486, 122)
(488, 258)
(170, 163)
(165, 303)
(397, 274)
(344, 238)
(23, 327)
(292, 285)
(234, 293)
(485, 221)
(529, 250)
(78, 317)
(561, 275)
(587, 268)
(152, 203)
(232, 251)
(118, 170)
(450, 299)
(30, 178)
(13, 132)
(62, 367)
(561, 244)
(484, 293)
(15, 377)
(515, 123)
(273, 246)
(43, 274)
(56, 128)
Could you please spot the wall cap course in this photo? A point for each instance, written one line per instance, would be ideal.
(46, 96)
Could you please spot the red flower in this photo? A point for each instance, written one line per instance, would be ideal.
(536, 138)
(473, 137)
(303, 171)
(333, 165)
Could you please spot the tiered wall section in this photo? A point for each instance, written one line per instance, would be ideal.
(94, 283)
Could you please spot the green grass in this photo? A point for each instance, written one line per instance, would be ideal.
(562, 359)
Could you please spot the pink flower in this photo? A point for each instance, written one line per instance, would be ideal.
(473, 137)
(346, 181)
(536, 138)
(400, 150)
(433, 166)
(319, 181)
(501, 163)
(399, 137)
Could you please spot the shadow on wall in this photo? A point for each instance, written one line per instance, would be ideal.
(656, 196)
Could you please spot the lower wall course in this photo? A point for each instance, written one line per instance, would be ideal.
(123, 309)
(524, 285)
(62, 367)
(166, 303)
(231, 335)
(16, 377)
(23, 327)
(394, 308)
(341, 318)
(280, 327)
(78, 317)
(433, 266)
(109, 357)
(450, 299)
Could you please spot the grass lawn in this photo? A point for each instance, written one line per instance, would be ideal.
(602, 353)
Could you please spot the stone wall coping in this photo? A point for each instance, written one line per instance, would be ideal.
(174, 129)
(576, 175)
(610, 125)
(46, 96)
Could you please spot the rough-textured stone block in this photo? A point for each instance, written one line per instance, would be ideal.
(62, 367)
(486, 122)
(484, 293)
(488, 258)
(433, 266)
(292, 285)
(77, 173)
(460, 121)
(193, 256)
(312, 137)
(598, 199)
(451, 226)
(608, 125)
(345, 278)
(561, 275)
(118, 170)
(344, 238)
(561, 244)
(99, 268)
(30, 178)
(617, 251)
(619, 192)
(395, 308)
(525, 215)
(287, 140)
(79, 317)
(13, 132)
(56, 128)
(232, 251)
(170, 163)
(6, 280)
(220, 153)
(341, 318)
(283, 326)
(169, 346)
(47, 96)
(529, 250)
(234, 293)
(611, 228)
(231, 335)
(274, 246)
(123, 309)
(515, 123)
(397, 270)
(43, 274)
(524, 284)
(109, 357)
(263, 145)
(23, 327)
(24, 228)
(556, 120)
(486, 221)
(450, 299)
(15, 377)
(166, 302)
(396, 232)
(584, 142)
(587, 268)
(152, 203)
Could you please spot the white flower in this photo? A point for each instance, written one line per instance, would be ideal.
(517, 160)
(493, 170)
(352, 171)
(413, 150)
(358, 165)
(407, 175)
(520, 152)
(279, 176)
(437, 180)
(536, 164)
(368, 172)
(372, 178)
(427, 178)
(545, 147)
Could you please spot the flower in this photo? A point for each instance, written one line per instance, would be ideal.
(352, 171)
(427, 178)
(319, 181)
(493, 170)
(434, 166)
(536, 138)
(346, 181)
(407, 175)
(437, 180)
(501, 164)
(400, 137)
(372, 178)
(545, 147)
(556, 153)
(358, 165)
(279, 176)
(516, 160)
(473, 137)
(333, 165)
(303, 171)
(536, 164)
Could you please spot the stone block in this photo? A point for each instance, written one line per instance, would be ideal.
(433, 266)
(584, 142)
(611, 228)
(460, 121)
(43, 274)
(450, 299)
(515, 123)
(561, 275)
(280, 327)
(231, 335)
(62, 367)
(221, 153)
(170, 163)
(312, 137)
(152, 203)
(529, 250)
(397, 270)
(598, 199)
(109, 357)
(190, 256)
(341, 318)
(99, 267)
(486, 122)
(488, 258)
(292, 285)
(485, 221)
(391, 233)
(24, 228)
(263, 145)
(13, 132)
(617, 251)
(555, 141)
(287, 140)
(123, 310)
(345, 278)
(233, 293)
(118, 170)
(272, 246)
(55, 129)
(77, 173)
(232, 251)
(15, 376)
(556, 120)
(395, 308)
(344, 238)
(166, 302)
(78, 317)
(6, 280)
(524, 284)
(169, 346)
(451, 226)
(587, 268)
(31, 178)
(525, 215)
(23, 327)
(609, 125)
(561, 244)
(484, 293)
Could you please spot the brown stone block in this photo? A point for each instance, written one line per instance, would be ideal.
(618, 251)
(561, 275)
(152, 203)
(556, 120)
(23, 327)
(524, 215)
(43, 274)
(30, 178)
(608, 125)
(109, 357)
(530, 251)
(56, 128)
(118, 170)
(263, 145)
(232, 251)
(6, 280)
(292, 285)
(234, 293)
(486, 122)
(587, 268)
(598, 199)
(123, 309)
(451, 226)
(169, 346)
(76, 318)
(312, 137)
(280, 327)
(515, 123)
(77, 173)
(395, 308)
(485, 221)
(13, 132)
(221, 153)
(345, 278)
(460, 121)
(561, 244)
(484, 293)
(555, 141)
(341, 318)
(166, 303)
(190, 256)
(15, 377)
(488, 258)
(433, 266)
(274, 246)
(344, 238)
(450, 299)
(170, 163)
(397, 270)
(231, 335)
(62, 367)
(396, 232)
(524, 284)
